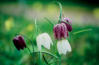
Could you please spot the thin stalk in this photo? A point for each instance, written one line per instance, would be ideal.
(40, 58)
(30, 42)
(36, 29)
(46, 53)
(60, 60)
(60, 16)
(82, 31)
(40, 54)
(45, 60)
(30, 54)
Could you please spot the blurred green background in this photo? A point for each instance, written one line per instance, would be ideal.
(18, 16)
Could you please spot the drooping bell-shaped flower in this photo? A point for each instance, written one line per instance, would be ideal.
(69, 27)
(19, 42)
(60, 31)
(68, 23)
(44, 40)
(68, 20)
(63, 46)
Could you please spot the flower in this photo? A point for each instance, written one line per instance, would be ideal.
(44, 40)
(69, 27)
(60, 31)
(19, 42)
(68, 20)
(68, 23)
(63, 46)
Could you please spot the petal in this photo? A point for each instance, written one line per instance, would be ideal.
(63, 46)
(67, 45)
(39, 43)
(16, 43)
(68, 20)
(59, 47)
(44, 40)
(69, 27)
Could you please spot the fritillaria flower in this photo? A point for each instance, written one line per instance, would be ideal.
(19, 42)
(63, 46)
(69, 27)
(44, 40)
(68, 20)
(61, 33)
(68, 24)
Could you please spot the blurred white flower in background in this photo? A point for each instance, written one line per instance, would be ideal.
(63, 46)
(44, 40)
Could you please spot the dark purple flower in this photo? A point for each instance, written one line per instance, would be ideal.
(68, 20)
(60, 31)
(69, 27)
(19, 42)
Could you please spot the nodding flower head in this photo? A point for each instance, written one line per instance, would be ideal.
(19, 42)
(60, 31)
(69, 27)
(44, 40)
(68, 20)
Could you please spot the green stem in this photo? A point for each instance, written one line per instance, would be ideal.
(40, 58)
(54, 62)
(60, 60)
(31, 54)
(82, 31)
(36, 29)
(46, 53)
(45, 60)
(30, 42)
(60, 16)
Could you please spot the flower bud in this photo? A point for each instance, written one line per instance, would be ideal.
(60, 31)
(69, 27)
(19, 42)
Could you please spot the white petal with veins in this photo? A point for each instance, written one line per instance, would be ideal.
(63, 46)
(44, 40)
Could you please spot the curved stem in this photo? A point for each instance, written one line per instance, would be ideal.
(60, 16)
(82, 31)
(46, 53)
(36, 29)
(45, 59)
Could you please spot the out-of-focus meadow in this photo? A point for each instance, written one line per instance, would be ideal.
(17, 17)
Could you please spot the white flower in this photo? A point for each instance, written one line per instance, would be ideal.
(44, 40)
(63, 46)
